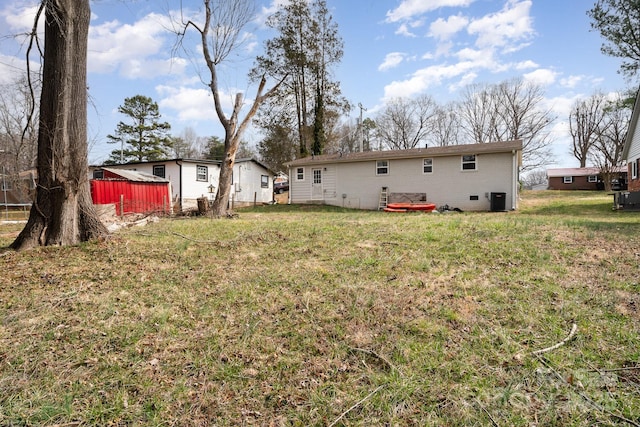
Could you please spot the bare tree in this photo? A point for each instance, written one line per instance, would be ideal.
(611, 138)
(534, 178)
(220, 35)
(63, 213)
(521, 116)
(405, 123)
(585, 124)
(446, 126)
(508, 111)
(18, 131)
(478, 114)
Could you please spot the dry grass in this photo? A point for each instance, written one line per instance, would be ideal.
(318, 316)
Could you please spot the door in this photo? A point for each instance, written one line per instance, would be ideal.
(316, 186)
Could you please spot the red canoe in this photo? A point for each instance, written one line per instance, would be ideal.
(411, 206)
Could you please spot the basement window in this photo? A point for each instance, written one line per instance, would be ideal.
(567, 179)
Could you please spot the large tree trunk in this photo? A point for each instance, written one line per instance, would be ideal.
(62, 213)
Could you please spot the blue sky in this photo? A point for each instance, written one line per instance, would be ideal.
(391, 48)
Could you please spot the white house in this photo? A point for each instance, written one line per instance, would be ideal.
(631, 151)
(193, 179)
(474, 177)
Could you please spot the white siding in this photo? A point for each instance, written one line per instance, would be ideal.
(247, 184)
(357, 185)
(634, 148)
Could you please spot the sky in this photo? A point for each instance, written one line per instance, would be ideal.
(392, 48)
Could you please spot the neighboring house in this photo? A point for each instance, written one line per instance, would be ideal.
(131, 191)
(474, 177)
(193, 179)
(589, 178)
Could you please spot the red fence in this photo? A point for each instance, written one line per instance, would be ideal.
(132, 196)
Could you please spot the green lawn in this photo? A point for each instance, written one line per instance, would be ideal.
(317, 316)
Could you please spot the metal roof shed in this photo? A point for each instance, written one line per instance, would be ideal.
(132, 191)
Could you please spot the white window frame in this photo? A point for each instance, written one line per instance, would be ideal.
(427, 166)
(317, 176)
(567, 180)
(202, 173)
(634, 169)
(264, 181)
(592, 178)
(469, 159)
(299, 174)
(382, 167)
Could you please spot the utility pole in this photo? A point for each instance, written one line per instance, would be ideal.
(361, 129)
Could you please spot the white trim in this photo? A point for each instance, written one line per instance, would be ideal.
(385, 166)
(469, 162)
(424, 165)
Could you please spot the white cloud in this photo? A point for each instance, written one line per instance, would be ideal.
(507, 28)
(411, 8)
(266, 11)
(541, 76)
(392, 60)
(403, 30)
(19, 18)
(193, 104)
(11, 69)
(131, 49)
(572, 81)
(523, 65)
(445, 29)
(425, 78)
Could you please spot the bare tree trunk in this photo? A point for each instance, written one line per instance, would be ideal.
(62, 213)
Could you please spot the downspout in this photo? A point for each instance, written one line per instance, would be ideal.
(179, 163)
(290, 177)
(515, 181)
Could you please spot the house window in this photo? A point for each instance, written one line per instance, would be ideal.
(300, 174)
(317, 176)
(6, 184)
(382, 167)
(158, 170)
(98, 174)
(202, 173)
(264, 181)
(469, 162)
(427, 165)
(592, 178)
(634, 170)
(567, 179)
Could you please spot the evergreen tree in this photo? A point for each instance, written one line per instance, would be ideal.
(617, 22)
(304, 51)
(145, 138)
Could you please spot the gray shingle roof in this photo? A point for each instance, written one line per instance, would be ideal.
(451, 150)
